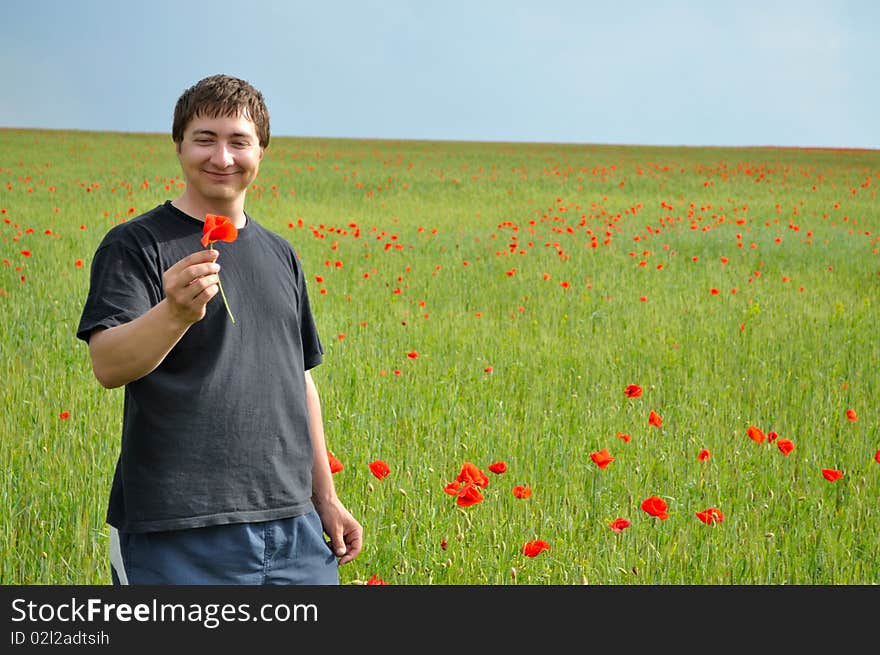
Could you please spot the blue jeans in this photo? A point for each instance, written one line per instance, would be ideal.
(286, 551)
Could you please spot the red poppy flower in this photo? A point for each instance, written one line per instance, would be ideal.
(469, 495)
(376, 580)
(710, 515)
(772, 436)
(379, 469)
(785, 446)
(524, 492)
(535, 548)
(626, 438)
(633, 391)
(602, 458)
(498, 467)
(64, 415)
(655, 419)
(335, 465)
(704, 455)
(412, 354)
(877, 457)
(851, 415)
(618, 525)
(218, 228)
(655, 506)
(831, 474)
(755, 434)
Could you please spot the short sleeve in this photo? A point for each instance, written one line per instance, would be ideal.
(123, 285)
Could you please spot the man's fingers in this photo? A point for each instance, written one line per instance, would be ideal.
(198, 257)
(201, 271)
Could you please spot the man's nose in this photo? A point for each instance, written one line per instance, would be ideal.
(221, 156)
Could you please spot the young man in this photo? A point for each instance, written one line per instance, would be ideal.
(223, 475)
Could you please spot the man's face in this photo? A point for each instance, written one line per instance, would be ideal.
(220, 157)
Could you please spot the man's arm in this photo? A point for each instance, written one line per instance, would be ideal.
(346, 534)
(127, 352)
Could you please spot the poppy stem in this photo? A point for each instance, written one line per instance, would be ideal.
(223, 295)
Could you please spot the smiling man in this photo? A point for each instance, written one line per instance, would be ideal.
(223, 475)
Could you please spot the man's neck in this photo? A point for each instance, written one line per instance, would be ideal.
(234, 210)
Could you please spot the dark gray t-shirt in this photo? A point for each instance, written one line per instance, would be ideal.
(218, 433)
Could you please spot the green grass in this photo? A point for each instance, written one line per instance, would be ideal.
(459, 251)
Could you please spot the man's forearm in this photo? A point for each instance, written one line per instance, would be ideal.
(127, 352)
(323, 488)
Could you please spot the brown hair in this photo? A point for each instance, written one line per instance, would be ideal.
(221, 95)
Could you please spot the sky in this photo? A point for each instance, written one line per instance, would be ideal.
(802, 73)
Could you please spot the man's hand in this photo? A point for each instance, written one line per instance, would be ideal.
(346, 534)
(190, 284)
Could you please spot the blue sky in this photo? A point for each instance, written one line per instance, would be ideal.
(675, 72)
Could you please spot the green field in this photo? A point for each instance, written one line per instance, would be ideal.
(490, 302)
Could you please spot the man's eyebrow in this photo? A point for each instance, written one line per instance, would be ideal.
(207, 132)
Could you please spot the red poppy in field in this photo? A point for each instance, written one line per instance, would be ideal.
(704, 455)
(877, 456)
(412, 354)
(655, 419)
(633, 391)
(602, 458)
(335, 465)
(488, 369)
(655, 506)
(851, 415)
(755, 434)
(618, 525)
(379, 469)
(498, 467)
(218, 228)
(710, 515)
(831, 474)
(785, 446)
(772, 436)
(26, 253)
(376, 580)
(524, 492)
(535, 547)
(64, 415)
(466, 484)
(78, 263)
